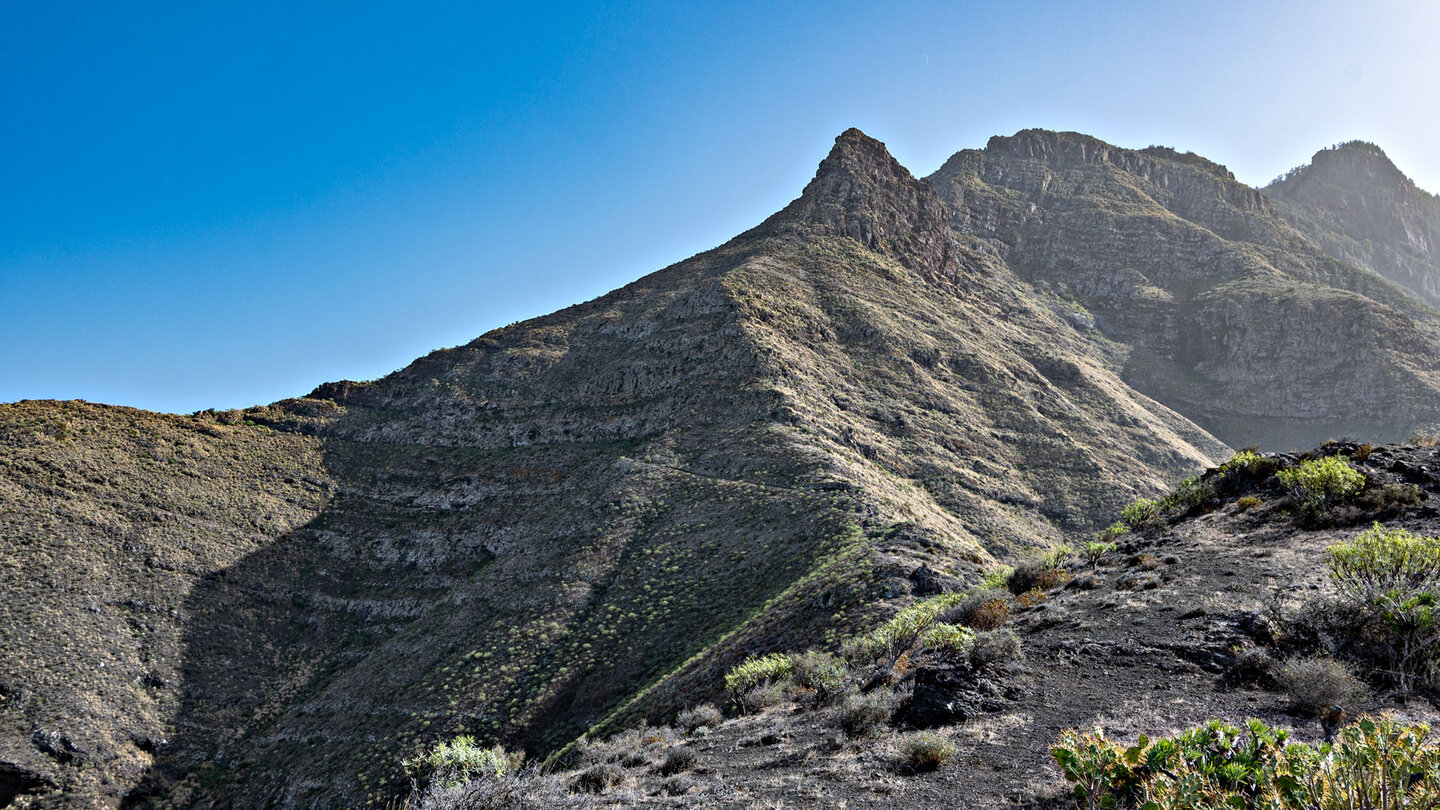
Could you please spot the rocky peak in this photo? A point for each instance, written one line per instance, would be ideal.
(860, 191)
(1360, 208)
(1356, 166)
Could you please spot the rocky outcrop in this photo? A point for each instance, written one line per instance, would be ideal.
(863, 193)
(1358, 207)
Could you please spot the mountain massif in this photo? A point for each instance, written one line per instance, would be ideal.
(893, 386)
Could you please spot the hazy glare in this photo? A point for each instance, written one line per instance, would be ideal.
(216, 209)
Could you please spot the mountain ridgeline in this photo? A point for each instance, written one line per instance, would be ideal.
(582, 520)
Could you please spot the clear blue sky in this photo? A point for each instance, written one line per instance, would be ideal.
(207, 205)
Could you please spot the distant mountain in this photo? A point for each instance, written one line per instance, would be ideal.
(583, 519)
(1358, 207)
(1221, 309)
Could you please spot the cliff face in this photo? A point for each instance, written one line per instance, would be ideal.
(585, 518)
(1358, 207)
(1225, 312)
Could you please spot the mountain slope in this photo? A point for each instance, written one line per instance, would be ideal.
(586, 517)
(1358, 207)
(1225, 312)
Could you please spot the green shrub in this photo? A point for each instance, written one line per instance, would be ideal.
(995, 580)
(1320, 483)
(1192, 493)
(460, 760)
(1143, 515)
(1374, 763)
(927, 751)
(1392, 576)
(948, 638)
(1113, 532)
(1247, 502)
(900, 634)
(1096, 551)
(820, 672)
(1056, 557)
(757, 671)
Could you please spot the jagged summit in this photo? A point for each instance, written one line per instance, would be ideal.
(862, 192)
(1357, 205)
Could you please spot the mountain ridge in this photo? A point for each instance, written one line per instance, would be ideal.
(582, 519)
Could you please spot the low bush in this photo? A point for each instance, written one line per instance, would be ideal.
(1247, 502)
(1374, 763)
(679, 760)
(1318, 484)
(703, 716)
(516, 790)
(901, 633)
(762, 697)
(1036, 575)
(948, 639)
(1143, 515)
(865, 715)
(1252, 665)
(1095, 551)
(1392, 576)
(821, 673)
(994, 648)
(756, 672)
(598, 779)
(1113, 532)
(1388, 498)
(1190, 494)
(677, 785)
(990, 611)
(460, 760)
(1315, 684)
(927, 750)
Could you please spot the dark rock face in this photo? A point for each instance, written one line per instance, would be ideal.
(947, 694)
(1358, 207)
(1226, 313)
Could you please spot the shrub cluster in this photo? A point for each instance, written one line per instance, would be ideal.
(901, 634)
(1391, 577)
(751, 681)
(460, 760)
(1375, 763)
(927, 751)
(1321, 483)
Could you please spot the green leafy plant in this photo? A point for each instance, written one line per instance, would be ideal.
(460, 760)
(948, 638)
(898, 636)
(1320, 483)
(1142, 514)
(1375, 763)
(755, 672)
(1393, 577)
(1096, 550)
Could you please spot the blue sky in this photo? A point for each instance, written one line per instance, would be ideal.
(224, 206)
